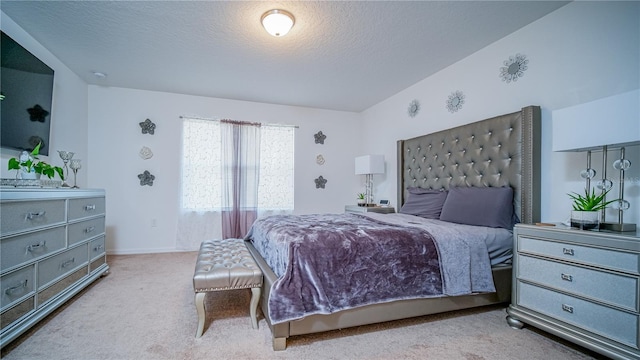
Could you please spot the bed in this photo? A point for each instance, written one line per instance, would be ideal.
(497, 153)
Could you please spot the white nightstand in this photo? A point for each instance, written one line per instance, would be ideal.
(364, 209)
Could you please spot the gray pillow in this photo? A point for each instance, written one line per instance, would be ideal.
(424, 203)
(482, 206)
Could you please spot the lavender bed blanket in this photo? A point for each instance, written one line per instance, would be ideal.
(331, 262)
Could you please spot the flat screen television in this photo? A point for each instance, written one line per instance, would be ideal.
(26, 93)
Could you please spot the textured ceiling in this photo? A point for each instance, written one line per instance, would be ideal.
(339, 55)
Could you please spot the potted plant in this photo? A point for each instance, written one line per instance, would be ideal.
(29, 166)
(586, 209)
(361, 199)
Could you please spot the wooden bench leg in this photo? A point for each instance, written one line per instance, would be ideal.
(255, 298)
(201, 313)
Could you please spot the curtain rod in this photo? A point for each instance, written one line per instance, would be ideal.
(218, 120)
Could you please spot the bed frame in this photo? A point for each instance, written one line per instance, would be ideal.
(500, 151)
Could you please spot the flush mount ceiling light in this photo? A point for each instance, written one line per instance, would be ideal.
(277, 22)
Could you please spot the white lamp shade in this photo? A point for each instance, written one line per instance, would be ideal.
(608, 121)
(370, 164)
(277, 22)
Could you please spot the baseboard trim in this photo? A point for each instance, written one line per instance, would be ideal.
(145, 251)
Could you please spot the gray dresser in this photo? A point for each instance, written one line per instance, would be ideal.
(52, 245)
(580, 285)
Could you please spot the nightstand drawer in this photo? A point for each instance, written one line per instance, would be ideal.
(81, 208)
(616, 289)
(609, 259)
(614, 324)
(28, 215)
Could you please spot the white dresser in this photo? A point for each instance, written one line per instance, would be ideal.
(52, 245)
(580, 285)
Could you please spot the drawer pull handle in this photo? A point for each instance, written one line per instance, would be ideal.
(90, 229)
(20, 286)
(33, 215)
(38, 246)
(567, 308)
(566, 277)
(98, 248)
(67, 263)
(567, 251)
(90, 207)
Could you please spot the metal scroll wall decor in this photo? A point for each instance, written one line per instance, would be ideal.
(455, 101)
(514, 68)
(414, 108)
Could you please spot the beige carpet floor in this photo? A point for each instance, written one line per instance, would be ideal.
(144, 309)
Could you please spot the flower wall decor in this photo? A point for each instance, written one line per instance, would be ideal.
(320, 182)
(146, 178)
(148, 127)
(320, 159)
(514, 68)
(414, 107)
(319, 137)
(455, 101)
(145, 153)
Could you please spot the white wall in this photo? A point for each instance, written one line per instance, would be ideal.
(115, 138)
(69, 111)
(581, 52)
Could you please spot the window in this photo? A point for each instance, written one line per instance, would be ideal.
(202, 168)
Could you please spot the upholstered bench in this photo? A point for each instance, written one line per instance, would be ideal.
(225, 265)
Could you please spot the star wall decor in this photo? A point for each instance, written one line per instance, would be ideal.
(148, 127)
(320, 182)
(37, 113)
(146, 178)
(319, 137)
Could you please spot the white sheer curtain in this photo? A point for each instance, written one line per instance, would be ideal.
(201, 203)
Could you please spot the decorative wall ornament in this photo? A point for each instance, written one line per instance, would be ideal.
(455, 101)
(146, 178)
(414, 107)
(148, 127)
(514, 68)
(37, 113)
(319, 137)
(146, 153)
(320, 159)
(320, 182)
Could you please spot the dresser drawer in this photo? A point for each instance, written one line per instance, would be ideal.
(61, 264)
(20, 249)
(81, 208)
(96, 248)
(617, 289)
(29, 215)
(611, 259)
(614, 324)
(15, 313)
(84, 230)
(16, 285)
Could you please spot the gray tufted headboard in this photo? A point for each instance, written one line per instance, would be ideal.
(500, 151)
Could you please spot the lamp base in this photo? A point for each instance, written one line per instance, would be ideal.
(617, 227)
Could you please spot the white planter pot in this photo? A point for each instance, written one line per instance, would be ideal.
(29, 175)
(585, 220)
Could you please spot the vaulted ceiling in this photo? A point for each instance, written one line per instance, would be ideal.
(340, 55)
